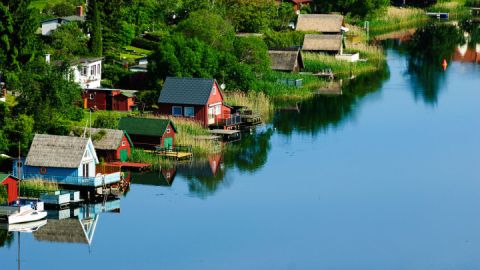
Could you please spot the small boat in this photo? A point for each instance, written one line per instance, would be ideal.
(24, 227)
(22, 212)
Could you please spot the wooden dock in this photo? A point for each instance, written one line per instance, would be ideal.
(176, 153)
(439, 15)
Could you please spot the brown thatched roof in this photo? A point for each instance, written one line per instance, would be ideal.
(106, 139)
(324, 23)
(322, 43)
(286, 60)
(62, 231)
(56, 151)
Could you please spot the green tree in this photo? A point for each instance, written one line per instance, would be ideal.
(355, 8)
(18, 23)
(254, 52)
(182, 57)
(214, 31)
(251, 16)
(68, 40)
(63, 9)
(47, 96)
(108, 120)
(94, 24)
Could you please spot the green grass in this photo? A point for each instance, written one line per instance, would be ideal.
(375, 57)
(3, 194)
(397, 19)
(33, 188)
(41, 4)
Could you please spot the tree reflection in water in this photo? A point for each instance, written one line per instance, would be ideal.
(428, 47)
(207, 175)
(321, 113)
(6, 238)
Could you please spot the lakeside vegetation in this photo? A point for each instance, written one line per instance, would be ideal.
(33, 188)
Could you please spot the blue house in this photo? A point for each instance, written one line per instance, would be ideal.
(65, 160)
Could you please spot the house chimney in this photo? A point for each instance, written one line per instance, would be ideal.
(47, 58)
(79, 11)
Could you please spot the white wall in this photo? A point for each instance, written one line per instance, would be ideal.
(48, 27)
(88, 80)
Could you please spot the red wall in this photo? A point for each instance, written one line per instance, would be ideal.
(99, 101)
(201, 112)
(170, 134)
(12, 187)
(127, 146)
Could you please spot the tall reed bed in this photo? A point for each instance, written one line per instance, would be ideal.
(188, 133)
(259, 102)
(455, 8)
(3, 194)
(396, 19)
(33, 188)
(375, 60)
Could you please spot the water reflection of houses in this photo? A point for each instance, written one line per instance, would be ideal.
(464, 53)
(205, 175)
(164, 177)
(75, 225)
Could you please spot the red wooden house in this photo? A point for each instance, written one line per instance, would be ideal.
(109, 99)
(12, 187)
(196, 98)
(148, 133)
(111, 144)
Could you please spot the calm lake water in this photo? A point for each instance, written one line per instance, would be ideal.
(385, 176)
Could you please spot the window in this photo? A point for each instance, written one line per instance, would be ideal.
(98, 69)
(177, 111)
(92, 96)
(93, 69)
(189, 112)
(214, 91)
(85, 170)
(124, 143)
(168, 130)
(84, 71)
(218, 109)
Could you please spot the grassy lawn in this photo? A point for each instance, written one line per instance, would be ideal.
(40, 4)
(132, 53)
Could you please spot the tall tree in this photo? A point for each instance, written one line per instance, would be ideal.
(95, 28)
(18, 24)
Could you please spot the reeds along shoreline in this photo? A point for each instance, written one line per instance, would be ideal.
(35, 187)
(259, 102)
(375, 60)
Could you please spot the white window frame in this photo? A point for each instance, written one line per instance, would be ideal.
(124, 143)
(168, 130)
(214, 90)
(84, 71)
(99, 69)
(177, 107)
(185, 112)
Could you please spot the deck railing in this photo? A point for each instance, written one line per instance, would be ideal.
(175, 149)
(231, 121)
(97, 181)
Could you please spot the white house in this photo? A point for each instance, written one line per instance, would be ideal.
(48, 26)
(87, 72)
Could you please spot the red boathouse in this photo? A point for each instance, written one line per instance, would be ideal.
(195, 98)
(109, 99)
(11, 184)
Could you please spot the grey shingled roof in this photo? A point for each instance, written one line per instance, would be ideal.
(56, 151)
(191, 91)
